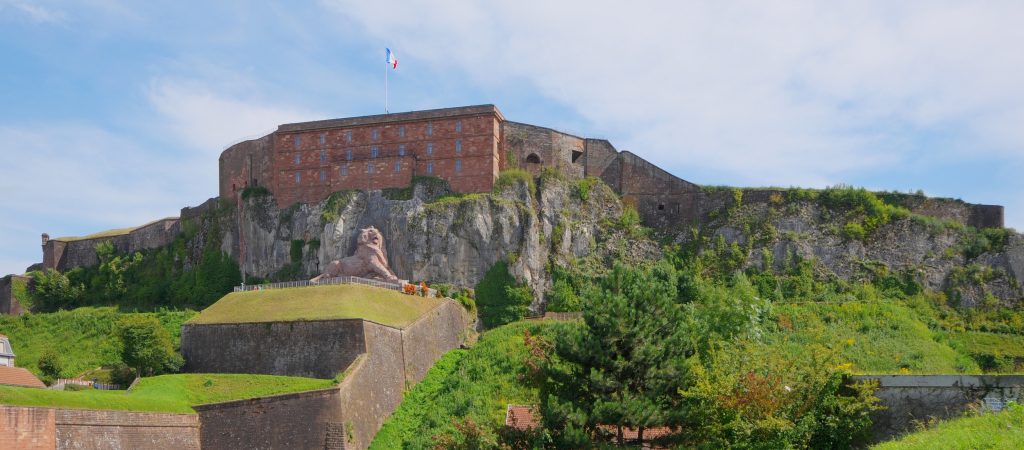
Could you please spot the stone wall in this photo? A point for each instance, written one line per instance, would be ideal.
(911, 398)
(303, 420)
(55, 428)
(373, 390)
(246, 164)
(534, 147)
(429, 337)
(9, 301)
(317, 348)
(65, 254)
(26, 428)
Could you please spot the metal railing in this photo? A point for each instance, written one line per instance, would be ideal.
(400, 287)
(61, 382)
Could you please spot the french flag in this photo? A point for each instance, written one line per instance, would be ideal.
(391, 59)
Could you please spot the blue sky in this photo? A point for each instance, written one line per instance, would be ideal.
(113, 113)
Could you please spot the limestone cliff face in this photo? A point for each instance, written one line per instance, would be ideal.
(435, 236)
(933, 255)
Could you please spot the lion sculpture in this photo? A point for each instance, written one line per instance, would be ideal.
(369, 261)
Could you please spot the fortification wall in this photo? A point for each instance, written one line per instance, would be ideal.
(431, 336)
(910, 398)
(373, 390)
(27, 428)
(68, 254)
(245, 164)
(551, 148)
(662, 199)
(316, 348)
(56, 428)
(303, 420)
(9, 301)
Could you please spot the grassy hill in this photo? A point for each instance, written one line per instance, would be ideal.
(1003, 430)
(318, 303)
(165, 393)
(84, 337)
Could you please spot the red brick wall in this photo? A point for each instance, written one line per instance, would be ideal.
(27, 428)
(385, 152)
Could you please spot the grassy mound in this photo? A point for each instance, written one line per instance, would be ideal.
(875, 337)
(84, 337)
(318, 303)
(479, 384)
(997, 430)
(165, 393)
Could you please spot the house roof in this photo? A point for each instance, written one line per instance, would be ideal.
(17, 376)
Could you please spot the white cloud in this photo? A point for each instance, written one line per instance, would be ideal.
(773, 92)
(204, 116)
(34, 11)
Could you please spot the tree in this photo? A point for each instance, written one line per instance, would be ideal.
(625, 365)
(52, 290)
(147, 346)
(500, 298)
(50, 365)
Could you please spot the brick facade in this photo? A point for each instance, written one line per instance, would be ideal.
(56, 428)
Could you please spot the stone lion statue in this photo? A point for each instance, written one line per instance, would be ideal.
(369, 261)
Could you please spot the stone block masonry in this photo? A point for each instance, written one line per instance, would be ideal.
(65, 254)
(9, 301)
(303, 420)
(57, 428)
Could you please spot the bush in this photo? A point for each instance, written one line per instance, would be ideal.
(512, 177)
(50, 366)
(254, 191)
(500, 298)
(147, 346)
(335, 203)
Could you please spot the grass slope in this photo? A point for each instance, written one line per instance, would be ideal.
(84, 337)
(875, 337)
(316, 303)
(478, 383)
(165, 393)
(992, 431)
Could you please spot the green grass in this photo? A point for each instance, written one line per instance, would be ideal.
(990, 431)
(875, 337)
(317, 303)
(478, 383)
(83, 338)
(165, 393)
(994, 352)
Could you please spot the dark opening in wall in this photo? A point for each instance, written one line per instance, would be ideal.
(576, 155)
(533, 159)
(661, 207)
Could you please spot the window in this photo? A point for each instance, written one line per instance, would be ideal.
(430, 129)
(323, 156)
(430, 167)
(375, 151)
(348, 136)
(376, 134)
(458, 165)
(298, 159)
(401, 131)
(298, 178)
(458, 126)
(348, 154)
(323, 138)
(430, 148)
(398, 166)
(298, 141)
(323, 175)
(369, 167)
(458, 146)
(401, 150)
(344, 171)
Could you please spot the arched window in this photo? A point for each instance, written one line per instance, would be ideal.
(533, 159)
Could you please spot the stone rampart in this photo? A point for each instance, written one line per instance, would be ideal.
(9, 292)
(302, 420)
(65, 254)
(316, 348)
(911, 398)
(534, 147)
(57, 428)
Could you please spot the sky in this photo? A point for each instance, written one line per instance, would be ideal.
(113, 113)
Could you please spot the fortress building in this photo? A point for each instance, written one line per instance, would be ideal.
(466, 146)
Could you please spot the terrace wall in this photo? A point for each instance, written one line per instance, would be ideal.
(315, 348)
(57, 428)
(302, 420)
(911, 398)
(68, 254)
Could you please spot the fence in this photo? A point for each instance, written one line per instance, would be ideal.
(61, 382)
(333, 281)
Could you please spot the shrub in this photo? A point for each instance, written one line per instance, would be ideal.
(254, 191)
(335, 203)
(854, 231)
(584, 187)
(147, 346)
(512, 177)
(500, 298)
(50, 366)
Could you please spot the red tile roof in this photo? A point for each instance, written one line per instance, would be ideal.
(16, 376)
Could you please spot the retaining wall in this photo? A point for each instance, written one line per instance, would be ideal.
(56, 428)
(910, 398)
(290, 421)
